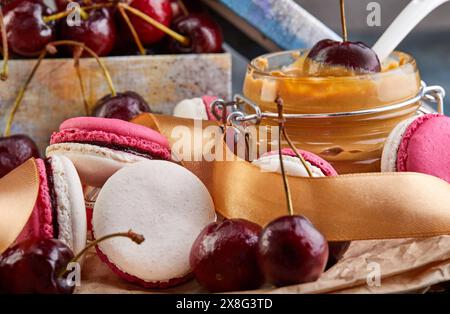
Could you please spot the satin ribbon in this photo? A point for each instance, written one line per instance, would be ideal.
(18, 194)
(343, 208)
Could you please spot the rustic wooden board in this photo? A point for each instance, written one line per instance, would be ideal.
(54, 95)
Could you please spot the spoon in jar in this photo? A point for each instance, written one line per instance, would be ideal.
(408, 19)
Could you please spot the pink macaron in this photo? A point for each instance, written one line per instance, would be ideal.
(59, 211)
(270, 162)
(99, 147)
(419, 144)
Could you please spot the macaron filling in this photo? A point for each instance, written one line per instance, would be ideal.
(137, 146)
(53, 199)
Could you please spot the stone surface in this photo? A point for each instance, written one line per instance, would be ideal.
(54, 94)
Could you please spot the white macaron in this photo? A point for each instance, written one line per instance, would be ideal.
(166, 203)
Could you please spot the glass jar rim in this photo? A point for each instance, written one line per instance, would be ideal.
(408, 62)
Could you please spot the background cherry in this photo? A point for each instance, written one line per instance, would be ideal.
(192, 6)
(204, 33)
(34, 266)
(337, 251)
(26, 30)
(98, 32)
(160, 10)
(14, 151)
(352, 57)
(123, 106)
(224, 256)
(291, 251)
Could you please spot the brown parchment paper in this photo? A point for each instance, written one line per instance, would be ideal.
(405, 266)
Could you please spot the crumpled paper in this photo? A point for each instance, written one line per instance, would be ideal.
(386, 266)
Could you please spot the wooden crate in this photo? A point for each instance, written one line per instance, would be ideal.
(54, 94)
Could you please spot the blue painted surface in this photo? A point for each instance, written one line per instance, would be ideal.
(260, 16)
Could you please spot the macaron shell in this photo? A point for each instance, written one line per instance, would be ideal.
(94, 164)
(70, 199)
(390, 149)
(154, 149)
(117, 127)
(425, 147)
(191, 109)
(39, 224)
(138, 197)
(316, 161)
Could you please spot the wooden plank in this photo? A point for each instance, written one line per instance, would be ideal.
(54, 94)
(274, 24)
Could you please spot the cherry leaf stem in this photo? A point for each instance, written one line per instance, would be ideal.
(343, 21)
(281, 126)
(51, 48)
(136, 38)
(4, 73)
(183, 7)
(94, 55)
(82, 10)
(77, 53)
(297, 154)
(21, 94)
(135, 237)
(178, 37)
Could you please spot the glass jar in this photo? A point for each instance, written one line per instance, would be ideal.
(352, 143)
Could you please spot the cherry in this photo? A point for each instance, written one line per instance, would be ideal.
(35, 266)
(97, 32)
(159, 10)
(123, 106)
(291, 251)
(224, 256)
(337, 250)
(334, 58)
(14, 151)
(204, 33)
(26, 31)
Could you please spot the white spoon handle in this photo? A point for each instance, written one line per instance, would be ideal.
(412, 15)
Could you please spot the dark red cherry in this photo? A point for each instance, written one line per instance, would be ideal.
(26, 31)
(337, 251)
(123, 106)
(335, 58)
(34, 266)
(160, 10)
(291, 251)
(204, 33)
(98, 32)
(224, 256)
(14, 151)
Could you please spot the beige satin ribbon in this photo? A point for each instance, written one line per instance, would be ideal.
(344, 208)
(18, 194)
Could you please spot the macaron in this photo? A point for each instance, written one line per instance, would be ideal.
(99, 147)
(170, 208)
(59, 211)
(195, 108)
(270, 162)
(419, 144)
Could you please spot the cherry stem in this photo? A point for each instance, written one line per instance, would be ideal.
(136, 38)
(178, 37)
(344, 21)
(77, 53)
(51, 48)
(297, 154)
(21, 93)
(5, 71)
(281, 126)
(82, 11)
(183, 7)
(135, 237)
